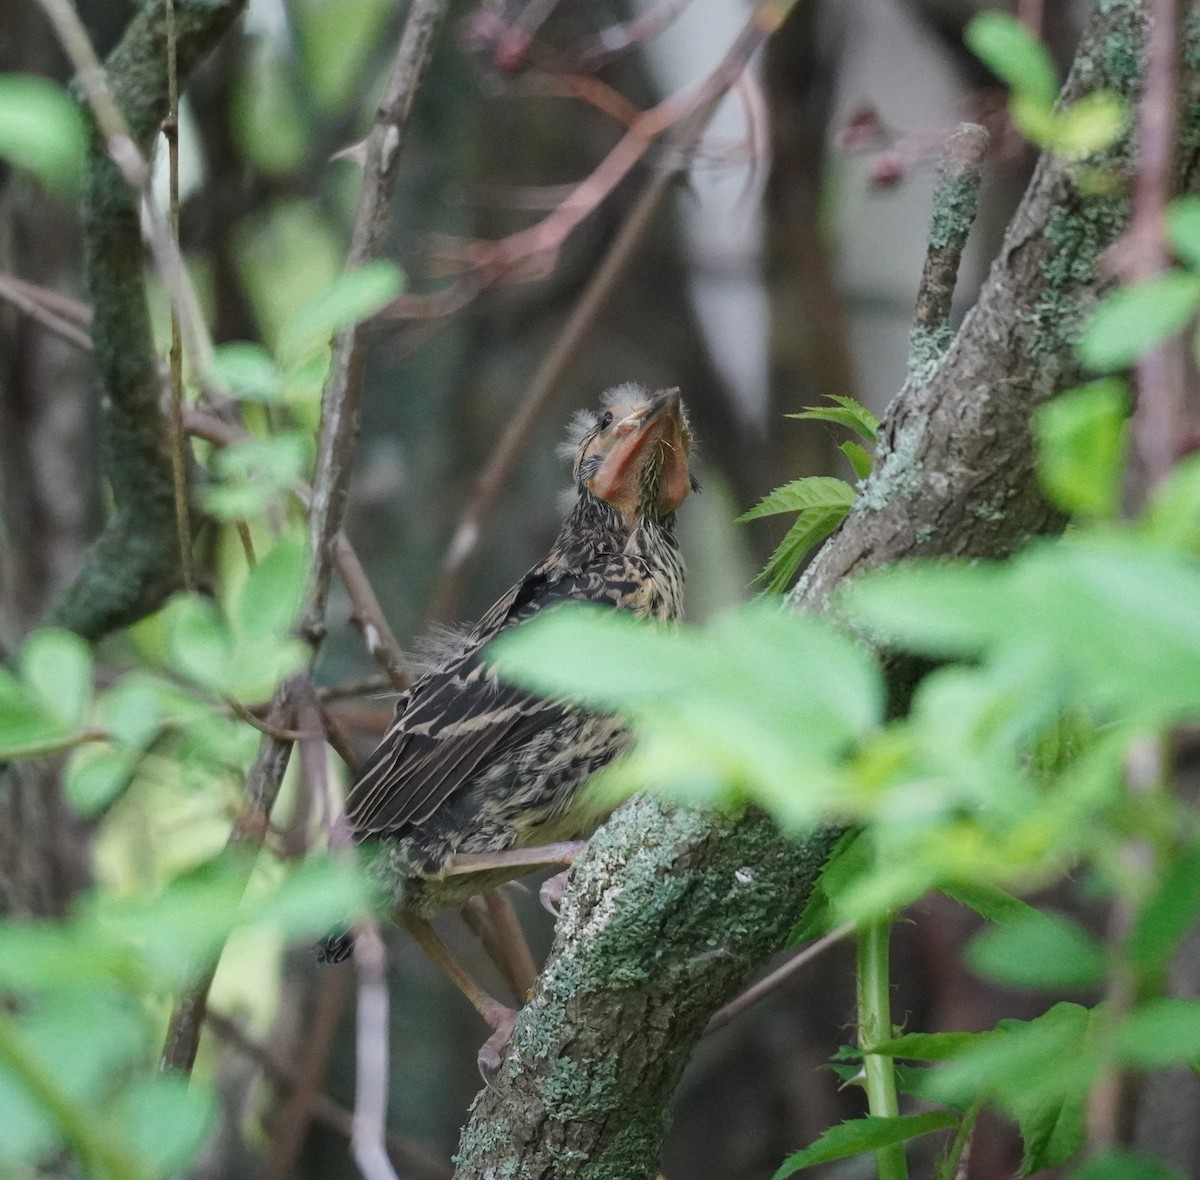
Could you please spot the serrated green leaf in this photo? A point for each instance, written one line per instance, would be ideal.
(850, 858)
(249, 371)
(1089, 125)
(351, 297)
(57, 667)
(814, 491)
(810, 529)
(844, 412)
(929, 1046)
(42, 130)
(1183, 229)
(1014, 55)
(1081, 439)
(860, 458)
(1124, 1165)
(856, 1136)
(1038, 950)
(1160, 1032)
(1135, 318)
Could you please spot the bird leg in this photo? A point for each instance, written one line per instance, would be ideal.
(492, 920)
(513, 946)
(533, 857)
(552, 890)
(500, 1018)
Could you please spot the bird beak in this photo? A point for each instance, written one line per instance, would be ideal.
(657, 426)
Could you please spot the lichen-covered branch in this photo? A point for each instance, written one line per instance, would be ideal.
(669, 912)
(134, 564)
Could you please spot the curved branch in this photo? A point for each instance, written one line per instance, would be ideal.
(133, 565)
(670, 911)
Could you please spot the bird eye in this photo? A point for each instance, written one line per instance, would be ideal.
(606, 421)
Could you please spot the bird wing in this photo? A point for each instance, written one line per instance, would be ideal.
(460, 718)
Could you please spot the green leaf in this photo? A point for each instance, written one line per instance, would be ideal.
(351, 297)
(845, 412)
(57, 666)
(1168, 915)
(271, 595)
(1124, 1165)
(1183, 229)
(811, 528)
(1160, 1032)
(249, 371)
(42, 130)
(1087, 126)
(1081, 438)
(266, 112)
(812, 492)
(167, 1118)
(989, 901)
(269, 467)
(1038, 1072)
(850, 859)
(1014, 55)
(1038, 950)
(860, 1135)
(198, 643)
(1135, 318)
(97, 775)
(1173, 515)
(929, 1046)
(860, 458)
(335, 45)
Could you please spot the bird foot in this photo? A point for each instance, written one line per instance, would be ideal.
(503, 1020)
(553, 890)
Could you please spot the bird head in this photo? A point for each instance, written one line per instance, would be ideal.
(634, 454)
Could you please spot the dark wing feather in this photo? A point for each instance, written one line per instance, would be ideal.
(459, 719)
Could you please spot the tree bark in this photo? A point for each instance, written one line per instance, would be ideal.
(671, 911)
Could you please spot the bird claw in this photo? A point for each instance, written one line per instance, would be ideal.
(553, 890)
(503, 1021)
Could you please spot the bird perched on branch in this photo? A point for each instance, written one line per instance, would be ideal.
(477, 781)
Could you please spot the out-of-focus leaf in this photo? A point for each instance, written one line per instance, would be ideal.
(1089, 125)
(97, 775)
(265, 111)
(850, 859)
(1173, 515)
(1038, 950)
(1183, 229)
(1124, 1165)
(351, 297)
(930, 1046)
(271, 594)
(856, 1136)
(336, 43)
(989, 901)
(1161, 1032)
(249, 371)
(57, 666)
(41, 130)
(198, 641)
(1081, 447)
(1168, 915)
(167, 1118)
(1014, 55)
(1134, 318)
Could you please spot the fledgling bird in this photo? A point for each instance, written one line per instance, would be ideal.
(471, 769)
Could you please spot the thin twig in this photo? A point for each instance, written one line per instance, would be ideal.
(368, 1142)
(417, 1162)
(15, 291)
(779, 976)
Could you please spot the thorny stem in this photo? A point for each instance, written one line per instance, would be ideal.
(875, 1025)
